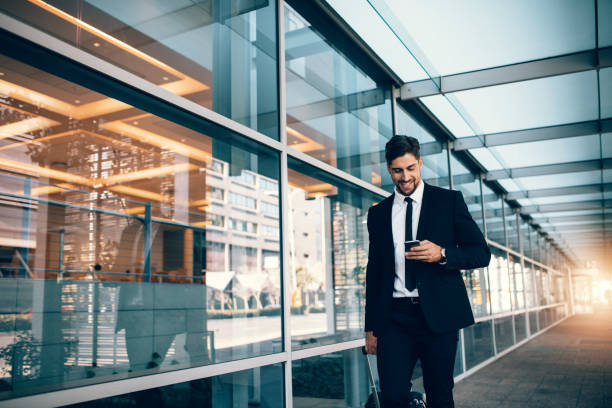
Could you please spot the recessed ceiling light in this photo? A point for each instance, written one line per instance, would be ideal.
(1, 73)
(165, 78)
(135, 122)
(96, 44)
(77, 101)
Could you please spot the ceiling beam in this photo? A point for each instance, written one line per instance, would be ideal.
(560, 191)
(524, 71)
(534, 134)
(547, 169)
(576, 206)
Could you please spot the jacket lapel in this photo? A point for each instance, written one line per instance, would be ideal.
(387, 232)
(426, 209)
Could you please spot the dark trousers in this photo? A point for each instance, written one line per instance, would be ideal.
(407, 339)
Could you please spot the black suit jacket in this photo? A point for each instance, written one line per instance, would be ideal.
(445, 221)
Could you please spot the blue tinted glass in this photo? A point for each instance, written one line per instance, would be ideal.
(535, 103)
(135, 244)
(488, 34)
(605, 22)
(605, 91)
(261, 386)
(219, 54)
(327, 266)
(335, 112)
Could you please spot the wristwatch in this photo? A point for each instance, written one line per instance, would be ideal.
(443, 259)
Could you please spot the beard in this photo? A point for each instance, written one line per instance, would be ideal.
(407, 188)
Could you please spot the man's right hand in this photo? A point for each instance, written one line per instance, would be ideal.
(370, 343)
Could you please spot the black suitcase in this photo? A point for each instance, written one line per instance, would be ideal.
(374, 400)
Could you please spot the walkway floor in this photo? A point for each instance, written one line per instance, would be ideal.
(570, 365)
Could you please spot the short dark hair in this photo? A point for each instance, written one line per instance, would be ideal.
(399, 145)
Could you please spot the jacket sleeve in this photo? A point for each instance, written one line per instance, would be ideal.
(471, 250)
(372, 280)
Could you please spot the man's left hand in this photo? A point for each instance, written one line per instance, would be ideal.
(426, 251)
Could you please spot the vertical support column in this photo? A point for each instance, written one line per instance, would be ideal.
(449, 147)
(482, 206)
(60, 266)
(148, 242)
(284, 198)
(520, 241)
(25, 228)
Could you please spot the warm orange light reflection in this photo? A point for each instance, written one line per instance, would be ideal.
(307, 144)
(156, 140)
(145, 174)
(25, 126)
(137, 192)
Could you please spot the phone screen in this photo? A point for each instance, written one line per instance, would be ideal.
(410, 244)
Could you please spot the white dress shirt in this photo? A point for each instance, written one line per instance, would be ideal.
(398, 226)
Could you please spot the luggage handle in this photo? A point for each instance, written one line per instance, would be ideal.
(371, 373)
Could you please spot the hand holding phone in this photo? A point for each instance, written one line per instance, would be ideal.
(408, 245)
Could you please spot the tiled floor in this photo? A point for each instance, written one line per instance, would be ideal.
(569, 365)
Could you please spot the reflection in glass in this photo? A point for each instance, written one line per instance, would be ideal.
(517, 282)
(335, 112)
(122, 250)
(338, 379)
(477, 285)
(478, 343)
(261, 386)
(328, 246)
(520, 326)
(529, 280)
(533, 322)
(493, 213)
(469, 185)
(504, 337)
(232, 70)
(499, 282)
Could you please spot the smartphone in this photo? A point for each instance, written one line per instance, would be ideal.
(409, 244)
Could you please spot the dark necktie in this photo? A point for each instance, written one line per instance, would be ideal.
(409, 265)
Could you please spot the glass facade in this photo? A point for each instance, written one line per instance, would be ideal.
(335, 112)
(164, 230)
(232, 70)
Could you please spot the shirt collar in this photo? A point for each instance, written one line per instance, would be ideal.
(416, 196)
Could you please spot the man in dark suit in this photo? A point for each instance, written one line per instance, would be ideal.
(416, 300)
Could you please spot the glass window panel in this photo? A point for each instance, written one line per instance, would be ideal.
(486, 157)
(605, 89)
(530, 284)
(477, 285)
(487, 35)
(499, 281)
(219, 54)
(533, 322)
(520, 327)
(604, 21)
(469, 186)
(504, 333)
(335, 112)
(328, 246)
(509, 184)
(367, 23)
(535, 103)
(493, 214)
(559, 180)
(261, 386)
(409, 127)
(549, 151)
(517, 282)
(511, 228)
(478, 343)
(123, 255)
(565, 199)
(337, 379)
(448, 115)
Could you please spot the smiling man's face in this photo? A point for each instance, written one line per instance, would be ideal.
(405, 172)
